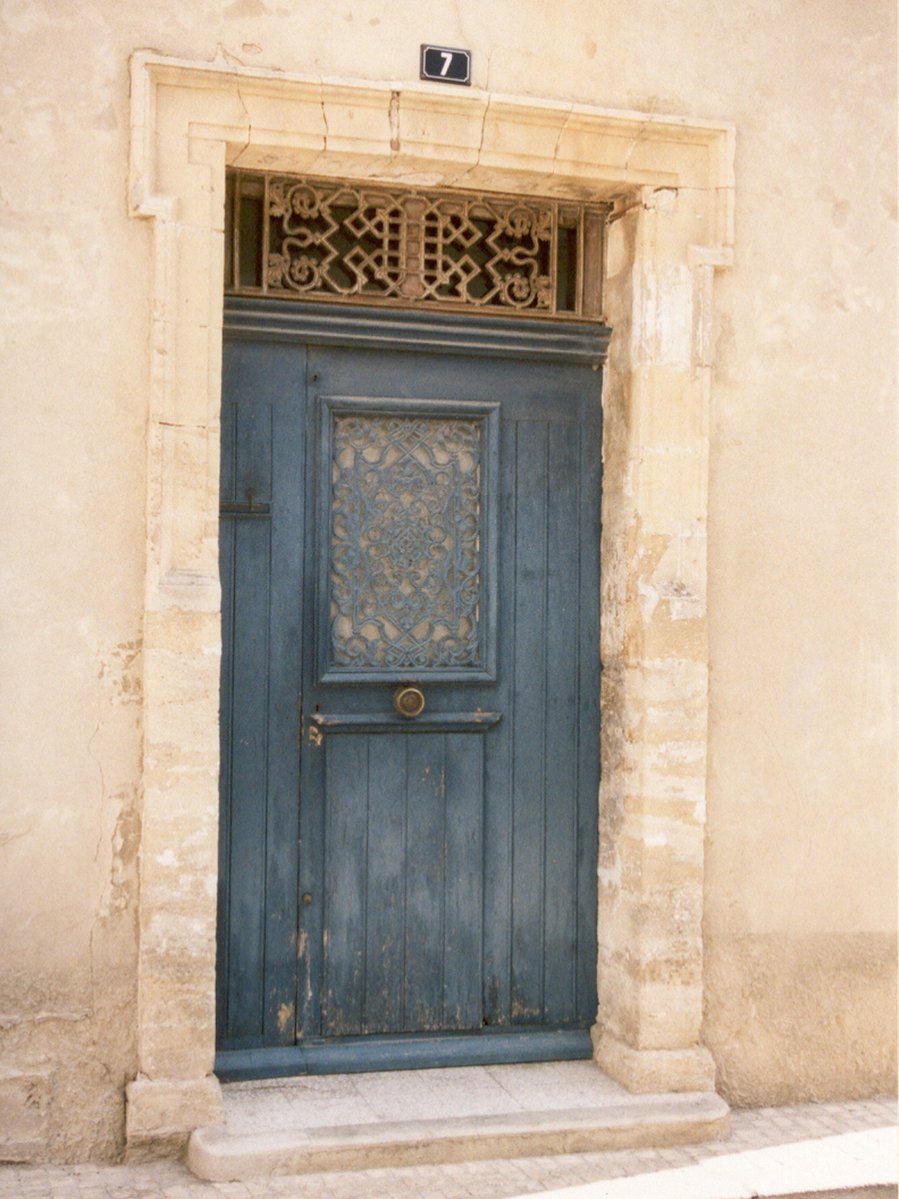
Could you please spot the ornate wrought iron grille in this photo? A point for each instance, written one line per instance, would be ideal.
(296, 238)
(405, 542)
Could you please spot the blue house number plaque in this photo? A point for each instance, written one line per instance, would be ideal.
(446, 65)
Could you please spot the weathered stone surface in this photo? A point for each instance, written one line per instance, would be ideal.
(23, 1117)
(650, 1071)
(162, 1112)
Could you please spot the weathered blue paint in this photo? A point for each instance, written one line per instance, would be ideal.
(411, 1051)
(261, 566)
(438, 333)
(388, 898)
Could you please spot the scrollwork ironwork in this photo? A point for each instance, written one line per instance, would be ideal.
(405, 571)
(346, 242)
(370, 243)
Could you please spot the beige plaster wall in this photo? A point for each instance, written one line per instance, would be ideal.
(800, 858)
(801, 845)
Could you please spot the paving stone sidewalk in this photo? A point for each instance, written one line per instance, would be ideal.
(784, 1146)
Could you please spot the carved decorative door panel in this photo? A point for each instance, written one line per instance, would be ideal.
(410, 542)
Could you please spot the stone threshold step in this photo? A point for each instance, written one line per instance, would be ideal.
(220, 1154)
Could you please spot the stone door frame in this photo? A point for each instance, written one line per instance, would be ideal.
(671, 180)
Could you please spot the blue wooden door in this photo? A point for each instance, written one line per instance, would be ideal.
(408, 506)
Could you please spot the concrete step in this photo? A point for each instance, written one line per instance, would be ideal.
(405, 1118)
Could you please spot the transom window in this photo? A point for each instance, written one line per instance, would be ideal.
(298, 238)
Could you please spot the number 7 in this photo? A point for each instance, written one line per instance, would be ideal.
(447, 59)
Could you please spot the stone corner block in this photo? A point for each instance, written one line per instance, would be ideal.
(161, 1113)
(653, 1071)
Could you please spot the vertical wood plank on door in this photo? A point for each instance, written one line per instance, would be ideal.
(282, 812)
(346, 884)
(385, 890)
(499, 764)
(249, 729)
(426, 820)
(529, 735)
(226, 567)
(462, 971)
(560, 763)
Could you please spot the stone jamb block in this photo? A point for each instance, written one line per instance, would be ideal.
(653, 1071)
(160, 1114)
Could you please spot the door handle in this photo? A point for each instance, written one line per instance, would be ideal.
(409, 701)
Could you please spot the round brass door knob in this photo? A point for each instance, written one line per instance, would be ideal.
(409, 701)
